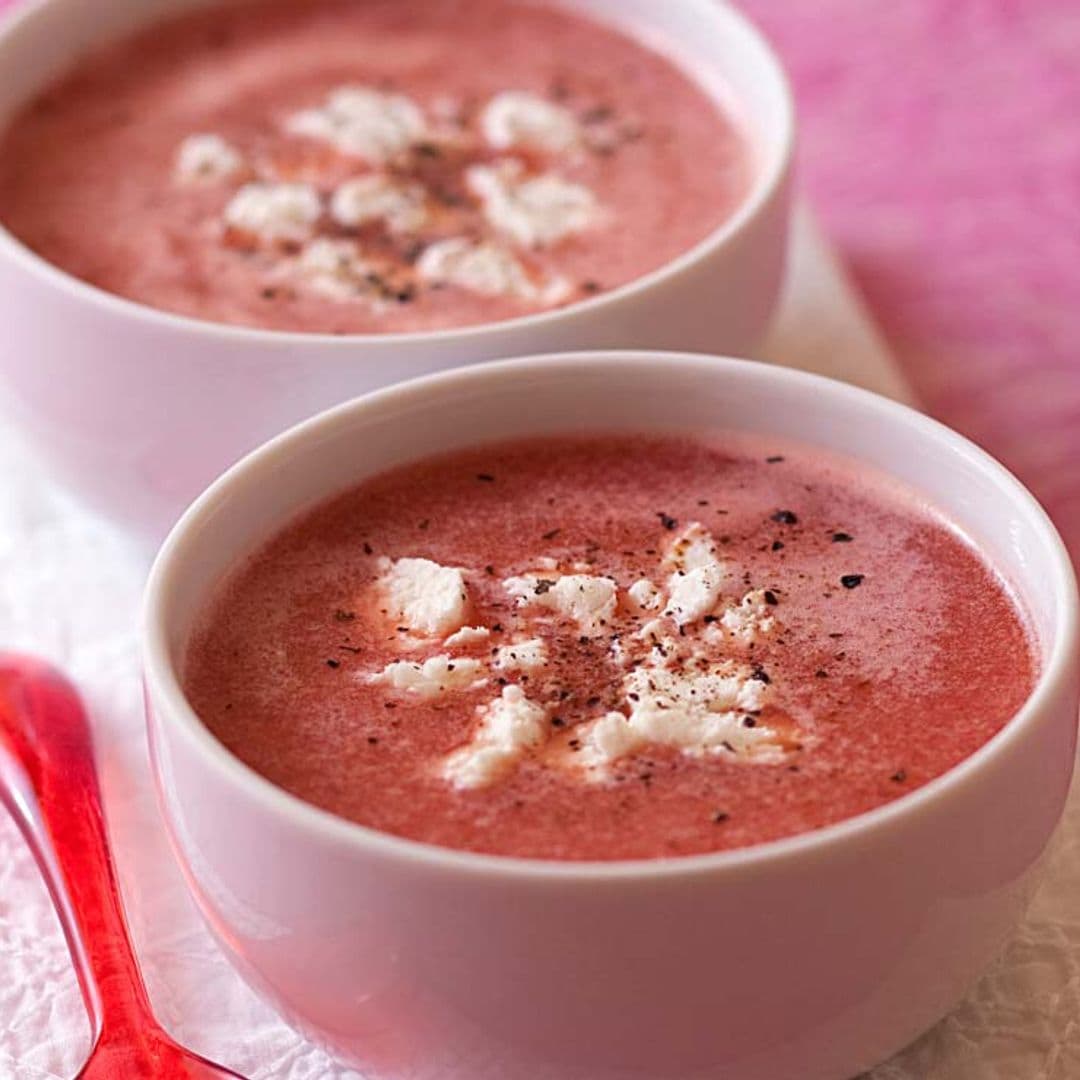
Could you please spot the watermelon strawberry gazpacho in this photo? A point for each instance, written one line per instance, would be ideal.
(612, 647)
(329, 166)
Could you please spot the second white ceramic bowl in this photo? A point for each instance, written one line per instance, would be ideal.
(138, 410)
(813, 957)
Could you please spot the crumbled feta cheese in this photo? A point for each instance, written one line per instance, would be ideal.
(664, 646)
(696, 712)
(681, 690)
(335, 268)
(426, 597)
(468, 635)
(752, 695)
(522, 655)
(694, 548)
(587, 599)
(481, 268)
(693, 594)
(364, 122)
(378, 198)
(436, 675)
(590, 601)
(644, 596)
(655, 632)
(532, 211)
(275, 211)
(515, 119)
(509, 726)
(206, 159)
(486, 269)
(750, 619)
(720, 687)
(697, 575)
(605, 741)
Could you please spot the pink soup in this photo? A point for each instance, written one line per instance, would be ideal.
(341, 167)
(612, 648)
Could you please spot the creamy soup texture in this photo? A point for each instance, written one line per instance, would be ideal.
(370, 166)
(611, 648)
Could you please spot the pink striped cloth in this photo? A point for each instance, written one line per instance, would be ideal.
(942, 145)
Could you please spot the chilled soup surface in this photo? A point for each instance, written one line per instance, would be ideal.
(611, 648)
(340, 166)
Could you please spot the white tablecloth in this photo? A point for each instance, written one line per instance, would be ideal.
(69, 590)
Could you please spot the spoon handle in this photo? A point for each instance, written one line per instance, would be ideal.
(49, 783)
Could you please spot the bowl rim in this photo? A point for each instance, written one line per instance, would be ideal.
(768, 184)
(162, 681)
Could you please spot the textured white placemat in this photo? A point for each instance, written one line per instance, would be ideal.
(69, 590)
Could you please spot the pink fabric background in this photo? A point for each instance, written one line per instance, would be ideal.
(941, 143)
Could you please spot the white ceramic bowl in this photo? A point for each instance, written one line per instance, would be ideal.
(139, 410)
(813, 957)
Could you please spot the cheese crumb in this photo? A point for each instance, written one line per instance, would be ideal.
(509, 727)
(335, 268)
(436, 675)
(645, 596)
(678, 689)
(697, 575)
(427, 597)
(699, 713)
(750, 619)
(206, 158)
(363, 122)
(523, 655)
(486, 269)
(518, 120)
(532, 211)
(378, 198)
(275, 211)
(588, 600)
(468, 635)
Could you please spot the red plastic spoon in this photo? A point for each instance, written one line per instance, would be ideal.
(49, 783)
